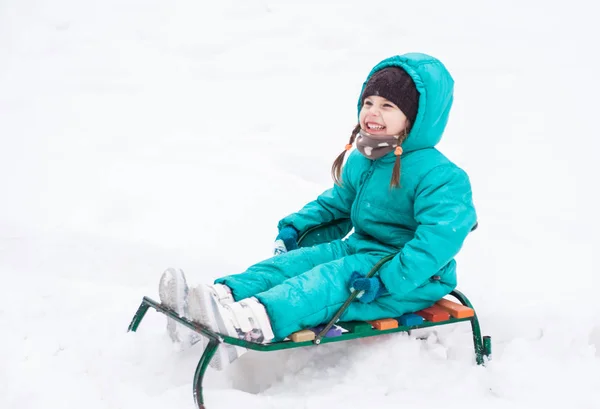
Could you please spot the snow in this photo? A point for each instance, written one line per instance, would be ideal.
(137, 135)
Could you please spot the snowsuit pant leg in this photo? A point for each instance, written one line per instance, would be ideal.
(312, 298)
(271, 272)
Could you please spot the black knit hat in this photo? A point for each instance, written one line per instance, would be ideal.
(394, 84)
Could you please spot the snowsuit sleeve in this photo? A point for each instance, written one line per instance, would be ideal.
(445, 215)
(331, 205)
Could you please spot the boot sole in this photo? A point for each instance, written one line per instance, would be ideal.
(173, 293)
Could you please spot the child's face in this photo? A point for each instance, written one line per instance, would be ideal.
(378, 116)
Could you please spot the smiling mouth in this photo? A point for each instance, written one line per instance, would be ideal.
(374, 127)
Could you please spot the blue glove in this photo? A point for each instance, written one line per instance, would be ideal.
(370, 288)
(286, 240)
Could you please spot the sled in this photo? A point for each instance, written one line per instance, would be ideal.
(443, 312)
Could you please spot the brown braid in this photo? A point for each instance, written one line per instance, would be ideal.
(336, 168)
(396, 171)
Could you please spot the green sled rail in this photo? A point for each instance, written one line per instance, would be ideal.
(482, 345)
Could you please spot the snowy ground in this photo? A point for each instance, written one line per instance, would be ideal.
(141, 134)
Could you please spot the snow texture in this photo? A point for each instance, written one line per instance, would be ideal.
(141, 134)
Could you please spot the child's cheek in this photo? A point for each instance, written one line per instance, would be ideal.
(361, 118)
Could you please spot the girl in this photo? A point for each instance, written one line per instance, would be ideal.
(398, 192)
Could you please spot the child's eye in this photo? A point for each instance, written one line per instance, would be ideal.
(388, 105)
(368, 103)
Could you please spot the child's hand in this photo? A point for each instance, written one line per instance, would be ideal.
(286, 240)
(370, 288)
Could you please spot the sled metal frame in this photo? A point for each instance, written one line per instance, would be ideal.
(482, 345)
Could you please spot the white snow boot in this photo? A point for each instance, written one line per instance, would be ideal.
(173, 292)
(246, 319)
(222, 293)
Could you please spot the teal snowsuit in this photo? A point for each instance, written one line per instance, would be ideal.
(424, 222)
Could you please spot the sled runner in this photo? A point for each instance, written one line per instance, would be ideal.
(444, 312)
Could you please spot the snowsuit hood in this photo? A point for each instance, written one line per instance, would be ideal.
(436, 89)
